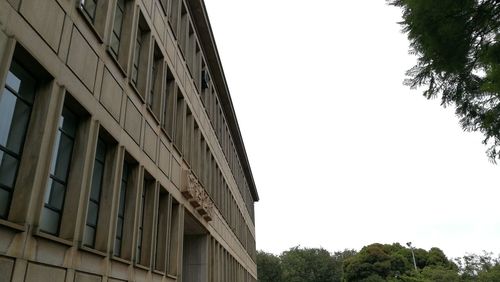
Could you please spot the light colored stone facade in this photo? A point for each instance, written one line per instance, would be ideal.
(120, 153)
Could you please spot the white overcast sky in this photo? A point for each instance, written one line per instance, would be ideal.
(342, 153)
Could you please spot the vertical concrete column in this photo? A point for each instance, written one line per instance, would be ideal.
(73, 220)
(27, 200)
(7, 45)
(114, 195)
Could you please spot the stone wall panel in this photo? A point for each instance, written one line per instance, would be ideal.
(47, 18)
(82, 60)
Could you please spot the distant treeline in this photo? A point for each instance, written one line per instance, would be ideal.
(374, 263)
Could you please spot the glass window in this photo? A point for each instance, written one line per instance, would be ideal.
(117, 27)
(173, 15)
(141, 223)
(16, 103)
(152, 80)
(137, 54)
(59, 171)
(95, 195)
(168, 104)
(89, 7)
(121, 210)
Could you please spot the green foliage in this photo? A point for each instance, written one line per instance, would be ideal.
(395, 262)
(375, 263)
(471, 266)
(492, 275)
(458, 49)
(269, 267)
(439, 274)
(311, 265)
(302, 265)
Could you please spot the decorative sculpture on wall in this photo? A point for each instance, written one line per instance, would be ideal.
(194, 192)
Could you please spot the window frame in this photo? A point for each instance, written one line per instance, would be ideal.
(97, 22)
(54, 159)
(19, 155)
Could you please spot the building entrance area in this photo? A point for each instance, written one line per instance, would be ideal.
(195, 251)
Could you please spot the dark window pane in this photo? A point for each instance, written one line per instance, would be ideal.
(18, 127)
(8, 169)
(139, 239)
(121, 208)
(13, 81)
(57, 195)
(118, 247)
(117, 26)
(27, 88)
(63, 158)
(101, 150)
(59, 168)
(89, 236)
(70, 122)
(89, 7)
(49, 221)
(121, 5)
(92, 213)
(119, 228)
(125, 173)
(96, 181)
(7, 106)
(54, 152)
(115, 44)
(4, 203)
(134, 75)
(137, 54)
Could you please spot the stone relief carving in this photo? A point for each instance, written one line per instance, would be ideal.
(194, 192)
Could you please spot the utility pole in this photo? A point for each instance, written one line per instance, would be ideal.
(413, 254)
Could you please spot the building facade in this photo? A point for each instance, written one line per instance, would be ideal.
(121, 157)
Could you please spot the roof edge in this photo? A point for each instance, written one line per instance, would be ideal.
(205, 34)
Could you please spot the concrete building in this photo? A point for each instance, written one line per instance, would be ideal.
(121, 157)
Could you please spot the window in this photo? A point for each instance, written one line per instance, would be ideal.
(144, 236)
(169, 104)
(95, 13)
(59, 171)
(188, 137)
(197, 72)
(141, 58)
(176, 232)
(141, 224)
(137, 56)
(121, 209)
(196, 150)
(156, 83)
(16, 103)
(89, 235)
(173, 15)
(205, 82)
(117, 27)
(189, 50)
(121, 41)
(126, 210)
(162, 231)
(180, 121)
(182, 38)
(89, 7)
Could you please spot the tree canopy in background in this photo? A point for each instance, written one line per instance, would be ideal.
(302, 265)
(374, 263)
(458, 50)
(378, 262)
(269, 267)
